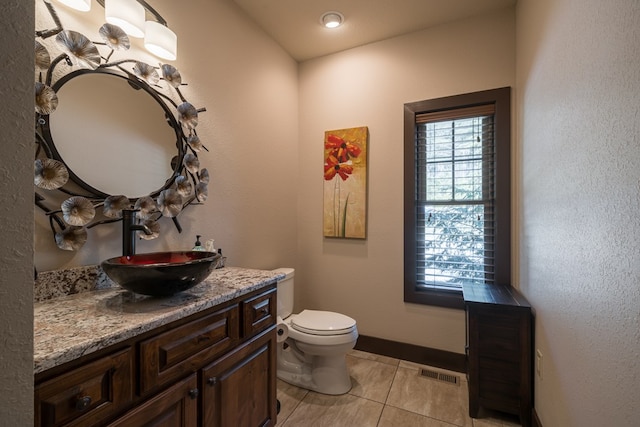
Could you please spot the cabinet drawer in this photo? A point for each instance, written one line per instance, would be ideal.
(259, 312)
(171, 355)
(86, 394)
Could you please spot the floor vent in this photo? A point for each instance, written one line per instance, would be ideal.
(439, 376)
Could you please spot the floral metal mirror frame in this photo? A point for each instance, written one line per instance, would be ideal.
(83, 206)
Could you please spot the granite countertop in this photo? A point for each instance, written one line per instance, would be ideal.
(72, 326)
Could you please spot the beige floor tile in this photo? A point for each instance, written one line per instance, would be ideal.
(321, 410)
(290, 397)
(394, 417)
(432, 398)
(378, 358)
(489, 418)
(487, 422)
(370, 379)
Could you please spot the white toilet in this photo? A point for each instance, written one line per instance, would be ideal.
(313, 354)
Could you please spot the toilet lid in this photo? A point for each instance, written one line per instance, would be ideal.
(322, 323)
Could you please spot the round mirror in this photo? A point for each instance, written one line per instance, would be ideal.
(113, 134)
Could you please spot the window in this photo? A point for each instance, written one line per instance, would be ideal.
(457, 215)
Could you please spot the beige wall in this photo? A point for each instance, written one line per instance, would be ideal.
(248, 85)
(368, 86)
(16, 211)
(578, 71)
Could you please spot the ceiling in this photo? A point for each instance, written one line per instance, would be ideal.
(295, 24)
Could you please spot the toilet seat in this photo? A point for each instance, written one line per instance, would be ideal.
(324, 323)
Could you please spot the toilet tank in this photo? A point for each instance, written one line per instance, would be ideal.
(285, 292)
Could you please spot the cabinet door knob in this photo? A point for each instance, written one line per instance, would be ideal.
(212, 381)
(83, 403)
(193, 393)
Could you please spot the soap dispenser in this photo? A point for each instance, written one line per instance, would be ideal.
(198, 246)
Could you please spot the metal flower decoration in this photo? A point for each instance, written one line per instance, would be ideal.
(114, 37)
(154, 227)
(50, 174)
(78, 211)
(183, 186)
(194, 142)
(146, 72)
(71, 219)
(113, 206)
(71, 238)
(80, 47)
(170, 203)
(191, 162)
(145, 207)
(171, 75)
(46, 99)
(202, 192)
(43, 60)
(204, 175)
(188, 115)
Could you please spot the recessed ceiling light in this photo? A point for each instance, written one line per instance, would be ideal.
(332, 19)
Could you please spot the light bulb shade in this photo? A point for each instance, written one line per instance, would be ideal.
(81, 5)
(160, 40)
(126, 14)
(332, 19)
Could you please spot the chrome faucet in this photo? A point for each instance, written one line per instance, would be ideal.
(129, 228)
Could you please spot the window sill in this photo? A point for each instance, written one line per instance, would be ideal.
(436, 297)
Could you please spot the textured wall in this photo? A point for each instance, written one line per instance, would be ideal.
(16, 211)
(368, 86)
(578, 71)
(248, 85)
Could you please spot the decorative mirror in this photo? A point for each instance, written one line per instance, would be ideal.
(102, 124)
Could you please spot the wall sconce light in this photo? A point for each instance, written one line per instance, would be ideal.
(160, 40)
(130, 15)
(332, 19)
(126, 14)
(81, 5)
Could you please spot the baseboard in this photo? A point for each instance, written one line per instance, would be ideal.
(535, 421)
(413, 353)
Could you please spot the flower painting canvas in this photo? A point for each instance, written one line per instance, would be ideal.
(345, 183)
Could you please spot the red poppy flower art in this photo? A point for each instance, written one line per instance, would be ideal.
(345, 183)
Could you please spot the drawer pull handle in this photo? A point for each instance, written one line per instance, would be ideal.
(193, 393)
(212, 381)
(83, 403)
(263, 312)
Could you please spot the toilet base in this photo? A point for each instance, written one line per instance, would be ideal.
(322, 374)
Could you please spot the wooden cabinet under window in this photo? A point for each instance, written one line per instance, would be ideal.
(499, 350)
(213, 368)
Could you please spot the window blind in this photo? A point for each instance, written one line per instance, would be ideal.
(455, 197)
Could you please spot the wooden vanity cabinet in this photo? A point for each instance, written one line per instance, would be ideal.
(499, 350)
(213, 368)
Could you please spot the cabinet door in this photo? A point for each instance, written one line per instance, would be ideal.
(239, 389)
(175, 407)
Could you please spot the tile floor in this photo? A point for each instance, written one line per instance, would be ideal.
(386, 392)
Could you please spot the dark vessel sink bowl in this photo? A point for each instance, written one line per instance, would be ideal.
(160, 274)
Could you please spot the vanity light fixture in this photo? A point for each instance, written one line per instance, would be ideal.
(160, 40)
(126, 14)
(332, 19)
(130, 15)
(81, 5)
